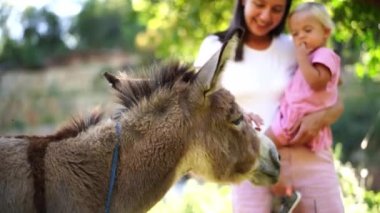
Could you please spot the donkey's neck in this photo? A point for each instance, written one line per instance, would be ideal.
(149, 165)
(80, 161)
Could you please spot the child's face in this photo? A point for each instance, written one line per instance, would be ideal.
(307, 30)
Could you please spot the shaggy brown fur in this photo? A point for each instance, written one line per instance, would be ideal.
(175, 120)
(37, 149)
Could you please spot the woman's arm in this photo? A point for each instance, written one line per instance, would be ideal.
(310, 124)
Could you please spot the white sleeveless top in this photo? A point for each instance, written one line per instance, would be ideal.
(259, 80)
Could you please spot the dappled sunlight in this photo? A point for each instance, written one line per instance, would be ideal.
(140, 5)
(195, 197)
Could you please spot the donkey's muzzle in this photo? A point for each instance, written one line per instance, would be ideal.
(268, 169)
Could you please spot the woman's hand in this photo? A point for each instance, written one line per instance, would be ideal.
(307, 128)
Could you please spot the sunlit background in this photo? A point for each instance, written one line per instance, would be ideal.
(64, 9)
(53, 54)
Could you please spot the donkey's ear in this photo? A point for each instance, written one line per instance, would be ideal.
(210, 73)
(114, 81)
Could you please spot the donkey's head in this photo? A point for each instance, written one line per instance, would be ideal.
(203, 119)
(228, 148)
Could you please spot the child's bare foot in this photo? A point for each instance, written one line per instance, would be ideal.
(281, 189)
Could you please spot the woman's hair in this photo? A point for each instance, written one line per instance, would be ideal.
(238, 21)
(318, 11)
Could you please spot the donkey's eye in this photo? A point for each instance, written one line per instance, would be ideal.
(237, 121)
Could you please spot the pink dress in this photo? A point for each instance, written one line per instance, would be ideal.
(299, 100)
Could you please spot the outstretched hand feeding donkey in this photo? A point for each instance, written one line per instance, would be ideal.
(175, 121)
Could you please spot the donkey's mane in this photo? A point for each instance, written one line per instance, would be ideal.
(80, 124)
(130, 93)
(73, 128)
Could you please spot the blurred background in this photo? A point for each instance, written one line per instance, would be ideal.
(53, 54)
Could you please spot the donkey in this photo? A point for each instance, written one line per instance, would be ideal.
(175, 120)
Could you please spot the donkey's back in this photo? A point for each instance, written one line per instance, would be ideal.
(52, 174)
(15, 175)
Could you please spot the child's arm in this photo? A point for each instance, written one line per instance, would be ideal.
(258, 121)
(316, 75)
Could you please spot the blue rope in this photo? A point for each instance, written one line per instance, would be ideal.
(115, 156)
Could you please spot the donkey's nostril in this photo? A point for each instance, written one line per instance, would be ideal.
(279, 156)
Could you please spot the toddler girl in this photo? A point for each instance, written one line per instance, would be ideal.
(313, 87)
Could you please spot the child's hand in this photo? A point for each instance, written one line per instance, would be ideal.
(256, 119)
(302, 52)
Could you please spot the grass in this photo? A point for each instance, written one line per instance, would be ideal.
(35, 102)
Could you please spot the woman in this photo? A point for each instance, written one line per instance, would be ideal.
(263, 66)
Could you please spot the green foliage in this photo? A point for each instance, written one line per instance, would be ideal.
(373, 200)
(355, 197)
(357, 34)
(108, 24)
(101, 25)
(362, 105)
(353, 192)
(37, 45)
(176, 27)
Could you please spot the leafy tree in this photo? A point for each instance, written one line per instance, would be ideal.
(41, 40)
(177, 27)
(357, 34)
(106, 25)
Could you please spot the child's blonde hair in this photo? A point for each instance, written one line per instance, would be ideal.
(318, 11)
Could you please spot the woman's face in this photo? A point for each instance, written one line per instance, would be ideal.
(262, 16)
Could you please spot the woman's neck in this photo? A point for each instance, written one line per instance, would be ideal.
(258, 42)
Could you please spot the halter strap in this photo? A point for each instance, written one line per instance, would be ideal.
(115, 157)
